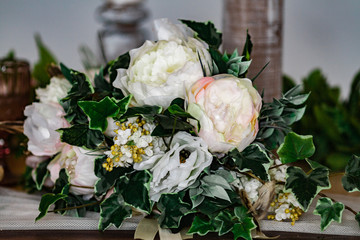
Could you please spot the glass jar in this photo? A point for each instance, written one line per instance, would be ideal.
(121, 30)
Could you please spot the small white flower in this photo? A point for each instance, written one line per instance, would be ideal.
(280, 213)
(54, 91)
(133, 144)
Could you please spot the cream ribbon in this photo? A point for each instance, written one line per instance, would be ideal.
(148, 228)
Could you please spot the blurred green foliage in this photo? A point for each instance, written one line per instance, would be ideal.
(40, 71)
(334, 123)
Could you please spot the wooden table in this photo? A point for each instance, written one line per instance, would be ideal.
(128, 235)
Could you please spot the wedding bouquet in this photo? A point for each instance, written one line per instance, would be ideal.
(174, 130)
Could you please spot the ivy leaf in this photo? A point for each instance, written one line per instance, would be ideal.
(113, 211)
(135, 190)
(245, 225)
(306, 187)
(252, 158)
(123, 105)
(122, 61)
(80, 135)
(81, 88)
(141, 111)
(201, 227)
(99, 111)
(41, 173)
(328, 211)
(226, 222)
(46, 201)
(314, 164)
(296, 147)
(205, 31)
(100, 82)
(351, 179)
(62, 184)
(172, 209)
(357, 218)
(107, 179)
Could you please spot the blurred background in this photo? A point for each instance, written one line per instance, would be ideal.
(312, 42)
(316, 34)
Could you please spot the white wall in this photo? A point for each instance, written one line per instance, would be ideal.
(317, 33)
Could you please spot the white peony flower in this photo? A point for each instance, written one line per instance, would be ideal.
(79, 163)
(227, 108)
(54, 91)
(180, 166)
(40, 127)
(162, 71)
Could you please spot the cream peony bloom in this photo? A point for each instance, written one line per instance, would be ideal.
(40, 127)
(54, 91)
(179, 167)
(227, 108)
(79, 163)
(162, 71)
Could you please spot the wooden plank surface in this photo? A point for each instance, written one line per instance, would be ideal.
(128, 235)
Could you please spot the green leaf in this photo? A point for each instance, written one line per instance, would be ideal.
(107, 179)
(252, 158)
(216, 180)
(215, 192)
(141, 111)
(296, 147)
(62, 184)
(99, 111)
(135, 190)
(81, 88)
(328, 211)
(80, 135)
(245, 225)
(351, 179)
(100, 82)
(46, 201)
(113, 211)
(205, 31)
(226, 221)
(290, 116)
(218, 62)
(122, 61)
(258, 74)
(41, 173)
(247, 47)
(201, 227)
(40, 72)
(306, 187)
(357, 218)
(172, 209)
(178, 111)
(123, 105)
(314, 164)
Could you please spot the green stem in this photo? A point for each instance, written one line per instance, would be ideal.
(276, 166)
(72, 185)
(173, 132)
(76, 207)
